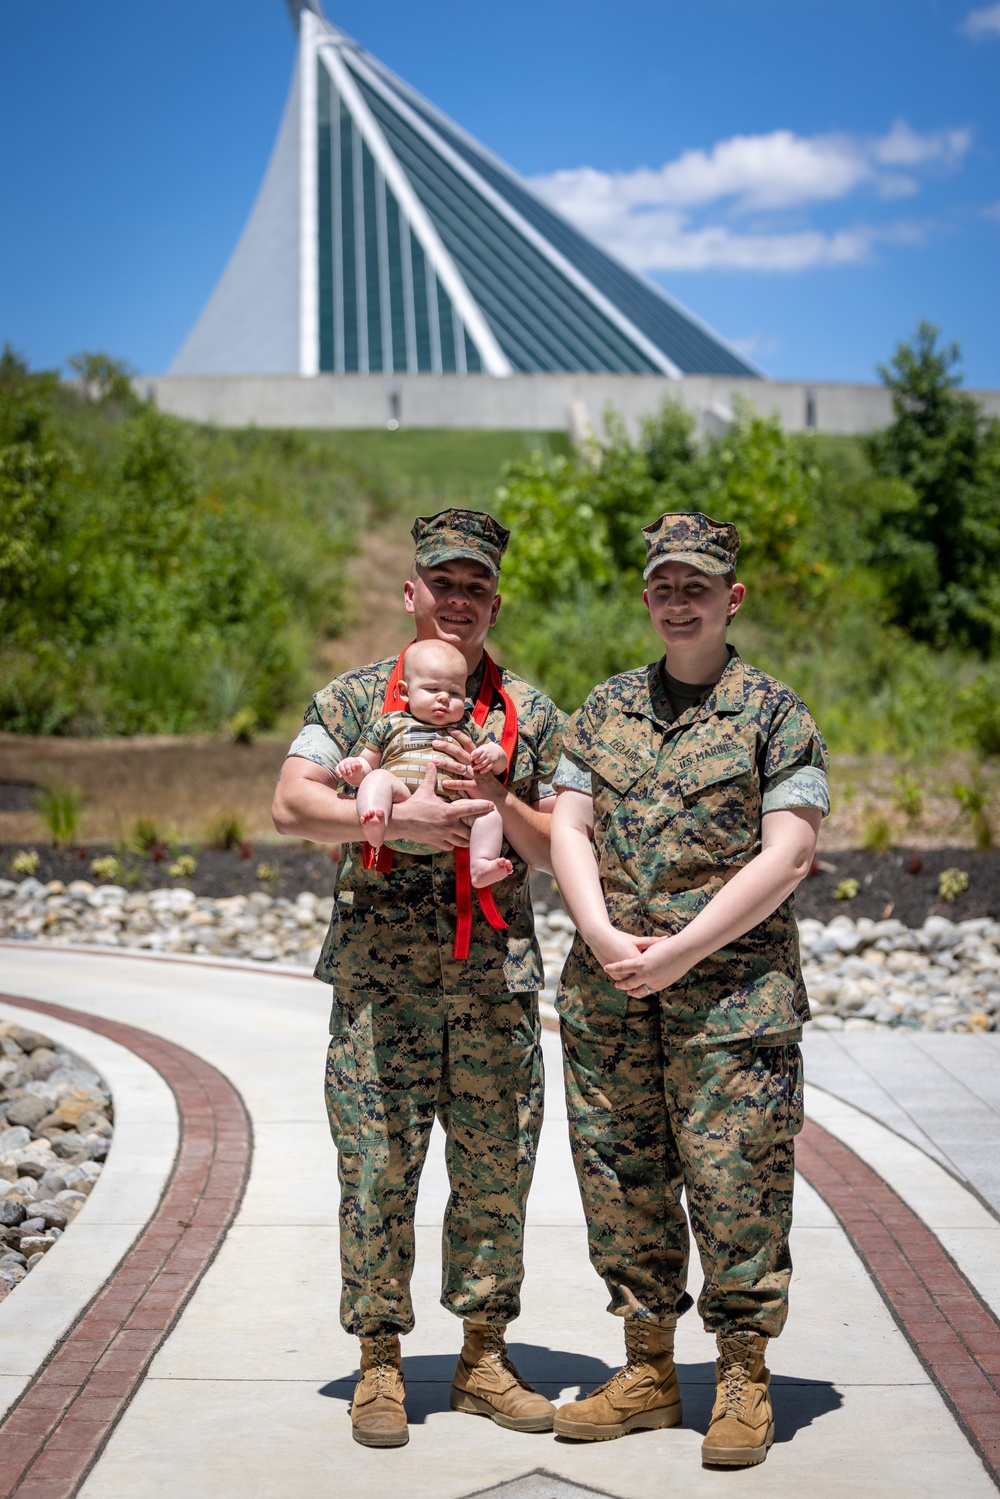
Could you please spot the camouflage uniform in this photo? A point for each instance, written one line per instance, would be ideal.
(700, 1085)
(416, 1032)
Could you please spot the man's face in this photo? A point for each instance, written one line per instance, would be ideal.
(454, 601)
(688, 608)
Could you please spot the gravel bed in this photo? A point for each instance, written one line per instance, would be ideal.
(55, 1131)
(860, 973)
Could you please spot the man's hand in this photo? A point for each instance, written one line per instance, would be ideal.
(352, 771)
(426, 818)
(471, 768)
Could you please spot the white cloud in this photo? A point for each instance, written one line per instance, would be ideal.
(984, 22)
(660, 219)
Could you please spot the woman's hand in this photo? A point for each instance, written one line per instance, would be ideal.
(658, 963)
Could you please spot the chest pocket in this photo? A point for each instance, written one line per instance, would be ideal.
(721, 797)
(620, 761)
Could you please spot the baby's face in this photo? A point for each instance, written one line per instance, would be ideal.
(436, 696)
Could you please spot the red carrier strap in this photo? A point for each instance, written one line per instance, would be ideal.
(381, 859)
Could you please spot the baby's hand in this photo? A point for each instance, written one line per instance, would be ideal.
(352, 771)
(488, 757)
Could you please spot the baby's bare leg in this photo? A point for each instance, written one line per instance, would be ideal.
(485, 843)
(378, 793)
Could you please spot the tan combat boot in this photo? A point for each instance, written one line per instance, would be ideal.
(742, 1425)
(642, 1396)
(487, 1384)
(377, 1415)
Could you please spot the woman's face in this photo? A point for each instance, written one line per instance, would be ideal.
(689, 609)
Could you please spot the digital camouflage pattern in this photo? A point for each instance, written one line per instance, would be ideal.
(711, 546)
(701, 1084)
(406, 745)
(393, 934)
(646, 1119)
(454, 534)
(476, 1063)
(677, 811)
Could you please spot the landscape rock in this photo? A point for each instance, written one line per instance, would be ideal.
(49, 1160)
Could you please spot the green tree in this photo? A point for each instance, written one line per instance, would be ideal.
(937, 539)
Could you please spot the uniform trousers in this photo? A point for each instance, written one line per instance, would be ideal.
(650, 1116)
(475, 1063)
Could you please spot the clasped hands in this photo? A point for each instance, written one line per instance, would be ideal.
(639, 965)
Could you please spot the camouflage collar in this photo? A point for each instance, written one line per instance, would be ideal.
(648, 695)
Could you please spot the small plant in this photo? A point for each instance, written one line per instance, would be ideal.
(146, 836)
(974, 802)
(226, 832)
(183, 867)
(847, 890)
(268, 874)
(952, 883)
(876, 836)
(242, 726)
(108, 868)
(60, 809)
(25, 861)
(908, 797)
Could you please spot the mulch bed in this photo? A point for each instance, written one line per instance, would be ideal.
(902, 883)
(219, 873)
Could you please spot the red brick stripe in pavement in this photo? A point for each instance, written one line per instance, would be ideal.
(953, 1333)
(55, 1433)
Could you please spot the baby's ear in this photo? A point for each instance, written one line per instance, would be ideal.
(403, 692)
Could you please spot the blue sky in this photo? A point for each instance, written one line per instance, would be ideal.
(811, 177)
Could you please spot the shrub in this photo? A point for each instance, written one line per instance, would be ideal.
(60, 809)
(25, 861)
(226, 832)
(146, 835)
(106, 868)
(952, 883)
(184, 867)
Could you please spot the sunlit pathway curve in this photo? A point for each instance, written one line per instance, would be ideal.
(248, 1394)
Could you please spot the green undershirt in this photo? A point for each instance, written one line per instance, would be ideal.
(685, 695)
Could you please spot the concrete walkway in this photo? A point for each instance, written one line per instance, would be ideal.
(247, 1397)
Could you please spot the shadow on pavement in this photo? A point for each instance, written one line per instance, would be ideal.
(797, 1402)
(429, 1376)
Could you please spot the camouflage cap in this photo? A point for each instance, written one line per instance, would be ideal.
(452, 534)
(688, 536)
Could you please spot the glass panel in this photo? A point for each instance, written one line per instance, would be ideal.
(680, 336)
(447, 324)
(371, 265)
(347, 239)
(395, 282)
(420, 313)
(473, 363)
(325, 213)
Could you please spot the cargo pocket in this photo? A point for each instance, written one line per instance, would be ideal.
(341, 1085)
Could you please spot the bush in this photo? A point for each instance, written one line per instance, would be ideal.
(60, 809)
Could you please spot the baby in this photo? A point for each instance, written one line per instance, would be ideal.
(395, 750)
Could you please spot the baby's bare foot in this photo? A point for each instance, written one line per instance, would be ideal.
(488, 871)
(373, 821)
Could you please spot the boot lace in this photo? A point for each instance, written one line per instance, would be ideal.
(495, 1348)
(735, 1355)
(636, 1351)
(383, 1364)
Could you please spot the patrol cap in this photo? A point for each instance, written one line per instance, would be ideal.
(688, 536)
(452, 534)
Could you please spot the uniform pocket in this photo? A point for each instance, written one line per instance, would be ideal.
(341, 1083)
(721, 795)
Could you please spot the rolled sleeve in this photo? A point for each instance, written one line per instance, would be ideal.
(312, 742)
(571, 775)
(805, 786)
